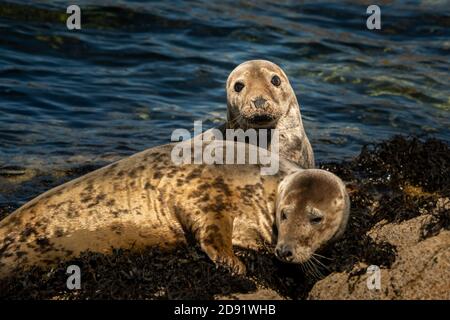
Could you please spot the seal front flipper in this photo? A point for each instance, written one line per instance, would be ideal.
(216, 241)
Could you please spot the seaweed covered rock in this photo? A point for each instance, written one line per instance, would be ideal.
(400, 203)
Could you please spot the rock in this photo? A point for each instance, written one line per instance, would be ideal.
(421, 270)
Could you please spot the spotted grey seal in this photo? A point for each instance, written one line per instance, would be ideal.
(260, 96)
(146, 200)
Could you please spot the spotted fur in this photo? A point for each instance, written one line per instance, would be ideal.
(146, 200)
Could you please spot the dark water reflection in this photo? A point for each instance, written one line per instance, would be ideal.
(140, 69)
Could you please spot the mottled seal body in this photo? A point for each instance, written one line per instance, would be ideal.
(260, 96)
(145, 200)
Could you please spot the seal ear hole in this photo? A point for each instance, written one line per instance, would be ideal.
(283, 214)
(315, 219)
(238, 86)
(276, 81)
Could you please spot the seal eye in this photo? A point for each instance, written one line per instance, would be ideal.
(316, 220)
(238, 86)
(283, 215)
(276, 81)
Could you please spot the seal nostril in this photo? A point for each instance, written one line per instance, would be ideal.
(288, 253)
(284, 253)
(278, 252)
(259, 102)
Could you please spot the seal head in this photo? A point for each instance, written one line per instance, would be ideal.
(312, 209)
(258, 94)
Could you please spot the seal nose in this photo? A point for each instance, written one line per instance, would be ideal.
(259, 102)
(285, 253)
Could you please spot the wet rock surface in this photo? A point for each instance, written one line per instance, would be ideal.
(400, 222)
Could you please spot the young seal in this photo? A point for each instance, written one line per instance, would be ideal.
(259, 96)
(145, 200)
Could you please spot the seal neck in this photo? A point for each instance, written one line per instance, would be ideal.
(292, 120)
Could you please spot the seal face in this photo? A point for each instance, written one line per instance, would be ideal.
(312, 209)
(260, 96)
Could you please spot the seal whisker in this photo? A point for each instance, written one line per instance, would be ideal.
(235, 121)
(309, 270)
(320, 262)
(306, 270)
(316, 272)
(318, 268)
(321, 256)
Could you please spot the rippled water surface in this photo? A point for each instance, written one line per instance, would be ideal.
(137, 70)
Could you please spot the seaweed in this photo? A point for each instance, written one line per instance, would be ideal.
(6, 209)
(440, 220)
(186, 273)
(390, 182)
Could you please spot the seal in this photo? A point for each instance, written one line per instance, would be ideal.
(146, 200)
(260, 96)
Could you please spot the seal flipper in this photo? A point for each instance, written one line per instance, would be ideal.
(216, 241)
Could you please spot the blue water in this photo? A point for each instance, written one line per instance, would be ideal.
(138, 70)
